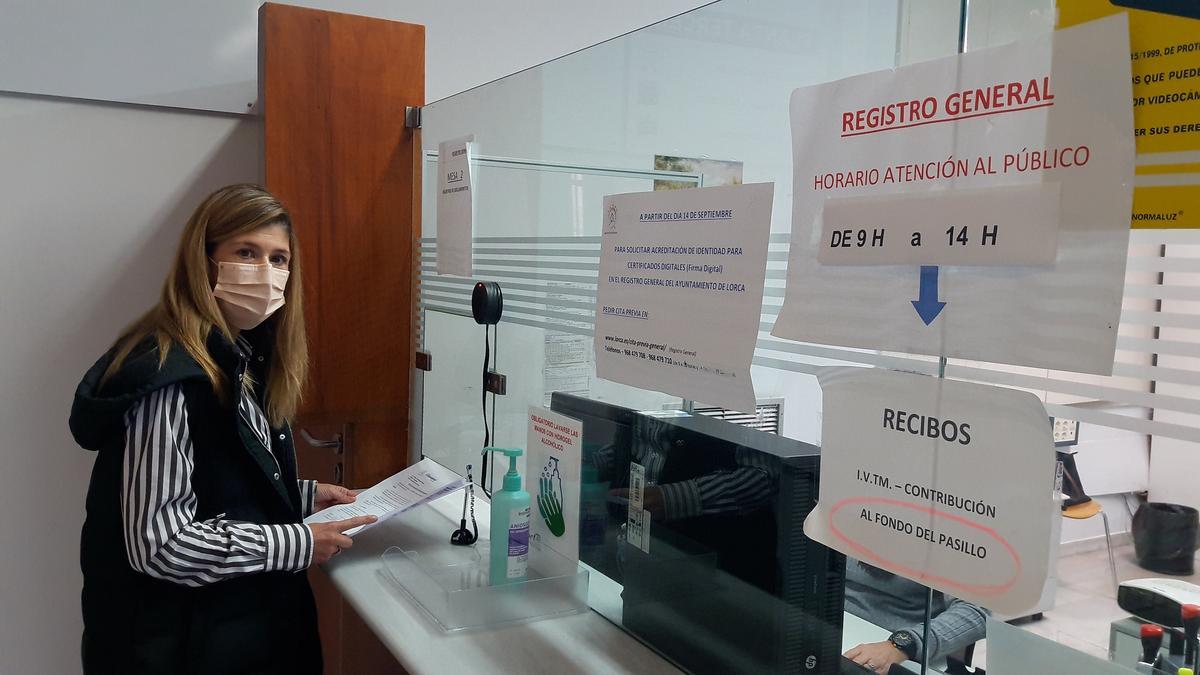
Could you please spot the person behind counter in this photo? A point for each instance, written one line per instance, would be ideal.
(193, 546)
(898, 604)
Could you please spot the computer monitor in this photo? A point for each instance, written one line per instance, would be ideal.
(728, 582)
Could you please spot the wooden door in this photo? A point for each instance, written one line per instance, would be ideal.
(334, 88)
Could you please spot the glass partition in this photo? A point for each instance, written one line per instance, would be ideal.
(699, 100)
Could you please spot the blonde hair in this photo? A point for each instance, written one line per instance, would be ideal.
(187, 311)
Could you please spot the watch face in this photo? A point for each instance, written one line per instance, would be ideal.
(905, 642)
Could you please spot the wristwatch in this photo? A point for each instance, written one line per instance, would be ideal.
(905, 642)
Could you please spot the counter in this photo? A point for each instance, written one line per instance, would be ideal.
(584, 643)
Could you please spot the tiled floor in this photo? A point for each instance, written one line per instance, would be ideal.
(1086, 602)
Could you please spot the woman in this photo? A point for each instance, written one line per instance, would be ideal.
(193, 549)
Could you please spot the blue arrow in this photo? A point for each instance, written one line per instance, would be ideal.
(927, 305)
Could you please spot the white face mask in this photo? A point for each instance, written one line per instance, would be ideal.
(248, 294)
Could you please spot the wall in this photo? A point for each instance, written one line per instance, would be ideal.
(92, 198)
(203, 55)
(1175, 463)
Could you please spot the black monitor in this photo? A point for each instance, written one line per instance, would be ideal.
(728, 582)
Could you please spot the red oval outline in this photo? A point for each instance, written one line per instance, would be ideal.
(984, 590)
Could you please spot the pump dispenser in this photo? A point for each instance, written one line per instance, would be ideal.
(509, 555)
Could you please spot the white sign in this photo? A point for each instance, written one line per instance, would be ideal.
(637, 519)
(455, 203)
(988, 226)
(553, 465)
(950, 484)
(680, 290)
(894, 151)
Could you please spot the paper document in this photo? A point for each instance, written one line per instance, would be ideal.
(680, 290)
(455, 206)
(422, 482)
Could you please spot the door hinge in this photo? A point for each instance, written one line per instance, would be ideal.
(412, 117)
(424, 361)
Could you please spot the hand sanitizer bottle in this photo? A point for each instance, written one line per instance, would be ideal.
(509, 555)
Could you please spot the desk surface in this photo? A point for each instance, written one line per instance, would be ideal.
(586, 642)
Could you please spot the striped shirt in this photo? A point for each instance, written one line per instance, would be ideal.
(740, 490)
(158, 507)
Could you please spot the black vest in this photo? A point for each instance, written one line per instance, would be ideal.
(134, 623)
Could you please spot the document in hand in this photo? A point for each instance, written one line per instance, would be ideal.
(422, 482)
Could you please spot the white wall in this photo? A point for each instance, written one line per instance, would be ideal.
(1174, 464)
(92, 199)
(204, 54)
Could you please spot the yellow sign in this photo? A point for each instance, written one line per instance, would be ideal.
(1165, 60)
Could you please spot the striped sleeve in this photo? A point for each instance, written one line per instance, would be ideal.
(308, 496)
(740, 490)
(158, 508)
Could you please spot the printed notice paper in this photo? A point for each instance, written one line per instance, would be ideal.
(974, 206)
(680, 290)
(554, 454)
(1164, 41)
(950, 484)
(422, 482)
(455, 199)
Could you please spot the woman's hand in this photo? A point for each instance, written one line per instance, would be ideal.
(328, 539)
(877, 656)
(329, 495)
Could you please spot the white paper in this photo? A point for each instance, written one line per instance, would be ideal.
(950, 484)
(680, 291)
(637, 519)
(1062, 315)
(988, 226)
(554, 461)
(455, 203)
(422, 482)
(563, 349)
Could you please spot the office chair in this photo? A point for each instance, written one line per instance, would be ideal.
(1077, 505)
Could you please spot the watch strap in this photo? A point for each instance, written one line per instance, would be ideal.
(906, 642)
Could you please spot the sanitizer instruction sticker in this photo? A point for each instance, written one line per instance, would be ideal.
(554, 453)
(946, 483)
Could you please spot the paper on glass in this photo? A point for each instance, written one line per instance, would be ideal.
(680, 291)
(950, 484)
(989, 226)
(455, 203)
(1050, 111)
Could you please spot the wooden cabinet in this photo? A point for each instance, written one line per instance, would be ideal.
(333, 91)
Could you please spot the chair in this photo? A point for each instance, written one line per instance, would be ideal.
(1090, 509)
(1079, 506)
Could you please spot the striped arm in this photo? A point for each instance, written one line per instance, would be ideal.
(158, 508)
(308, 496)
(740, 490)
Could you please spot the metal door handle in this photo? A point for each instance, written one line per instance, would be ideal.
(335, 443)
